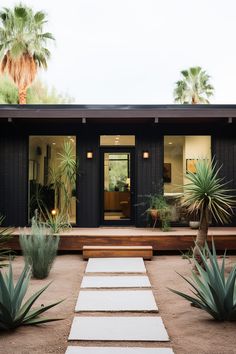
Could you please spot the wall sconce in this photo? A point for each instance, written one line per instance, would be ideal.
(53, 212)
(89, 154)
(145, 154)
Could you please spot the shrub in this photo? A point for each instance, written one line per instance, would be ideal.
(158, 209)
(214, 293)
(57, 222)
(39, 249)
(5, 236)
(12, 313)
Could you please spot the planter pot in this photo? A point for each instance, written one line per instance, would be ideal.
(154, 214)
(194, 224)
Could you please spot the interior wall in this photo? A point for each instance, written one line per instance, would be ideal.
(175, 158)
(177, 149)
(196, 147)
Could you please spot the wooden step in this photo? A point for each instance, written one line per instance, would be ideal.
(146, 252)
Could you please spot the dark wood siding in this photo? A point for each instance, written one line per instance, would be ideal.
(149, 137)
(88, 185)
(13, 178)
(224, 150)
(149, 172)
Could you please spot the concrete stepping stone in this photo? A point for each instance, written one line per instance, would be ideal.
(116, 281)
(116, 300)
(115, 265)
(116, 350)
(118, 329)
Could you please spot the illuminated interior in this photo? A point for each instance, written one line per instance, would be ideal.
(180, 155)
(52, 186)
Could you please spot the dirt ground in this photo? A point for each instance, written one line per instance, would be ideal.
(191, 330)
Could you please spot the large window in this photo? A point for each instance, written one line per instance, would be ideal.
(52, 175)
(180, 154)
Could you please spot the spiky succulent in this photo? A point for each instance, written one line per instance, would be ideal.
(206, 189)
(12, 313)
(214, 293)
(39, 248)
(5, 236)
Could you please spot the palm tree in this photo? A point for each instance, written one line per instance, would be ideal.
(23, 46)
(194, 87)
(207, 194)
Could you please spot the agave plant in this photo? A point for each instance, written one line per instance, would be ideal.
(207, 194)
(12, 313)
(39, 248)
(214, 293)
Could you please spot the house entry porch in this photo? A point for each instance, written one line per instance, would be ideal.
(178, 238)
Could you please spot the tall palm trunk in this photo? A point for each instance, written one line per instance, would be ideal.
(22, 95)
(202, 233)
(194, 100)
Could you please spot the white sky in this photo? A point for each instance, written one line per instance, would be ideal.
(132, 51)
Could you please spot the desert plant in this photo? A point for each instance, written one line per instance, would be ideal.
(5, 236)
(12, 313)
(39, 248)
(214, 293)
(56, 221)
(158, 209)
(206, 193)
(194, 87)
(62, 178)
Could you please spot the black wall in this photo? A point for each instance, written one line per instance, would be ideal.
(13, 177)
(149, 172)
(224, 150)
(88, 185)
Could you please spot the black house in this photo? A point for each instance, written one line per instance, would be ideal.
(123, 154)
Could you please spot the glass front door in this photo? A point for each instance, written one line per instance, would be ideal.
(117, 186)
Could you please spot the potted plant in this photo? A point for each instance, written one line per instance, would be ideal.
(194, 221)
(158, 209)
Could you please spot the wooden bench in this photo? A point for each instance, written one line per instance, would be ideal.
(146, 252)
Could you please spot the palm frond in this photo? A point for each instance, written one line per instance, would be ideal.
(194, 86)
(23, 43)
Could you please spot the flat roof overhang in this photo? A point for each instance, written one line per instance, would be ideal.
(160, 113)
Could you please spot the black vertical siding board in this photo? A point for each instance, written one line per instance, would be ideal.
(88, 182)
(224, 150)
(149, 172)
(13, 178)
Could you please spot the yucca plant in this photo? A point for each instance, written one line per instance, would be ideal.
(39, 248)
(12, 313)
(214, 293)
(207, 194)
